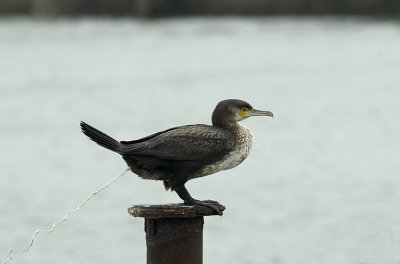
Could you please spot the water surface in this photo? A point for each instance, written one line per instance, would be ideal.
(320, 186)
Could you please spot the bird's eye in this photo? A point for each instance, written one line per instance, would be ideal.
(244, 109)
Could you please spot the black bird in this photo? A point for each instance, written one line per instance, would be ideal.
(179, 154)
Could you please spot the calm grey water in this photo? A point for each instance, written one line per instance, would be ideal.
(321, 185)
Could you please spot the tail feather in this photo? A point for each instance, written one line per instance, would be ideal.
(100, 138)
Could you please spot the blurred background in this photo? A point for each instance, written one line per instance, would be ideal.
(160, 8)
(321, 184)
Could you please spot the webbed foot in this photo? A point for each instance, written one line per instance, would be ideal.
(208, 203)
(188, 200)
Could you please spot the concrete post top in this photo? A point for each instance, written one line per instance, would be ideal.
(172, 210)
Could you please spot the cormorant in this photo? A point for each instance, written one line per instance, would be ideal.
(179, 154)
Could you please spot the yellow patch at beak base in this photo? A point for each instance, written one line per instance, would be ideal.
(243, 114)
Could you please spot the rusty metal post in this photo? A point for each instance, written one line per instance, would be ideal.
(174, 232)
(174, 240)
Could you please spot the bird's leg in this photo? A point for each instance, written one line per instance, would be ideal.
(188, 200)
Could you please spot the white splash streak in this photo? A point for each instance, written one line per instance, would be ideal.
(65, 218)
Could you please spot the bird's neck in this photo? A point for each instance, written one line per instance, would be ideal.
(227, 125)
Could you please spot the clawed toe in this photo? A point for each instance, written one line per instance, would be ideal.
(215, 208)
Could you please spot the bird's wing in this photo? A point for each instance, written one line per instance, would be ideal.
(193, 142)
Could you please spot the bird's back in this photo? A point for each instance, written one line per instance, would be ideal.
(192, 142)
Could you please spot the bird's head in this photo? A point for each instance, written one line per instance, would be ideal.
(234, 110)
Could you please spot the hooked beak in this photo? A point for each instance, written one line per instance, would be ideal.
(256, 112)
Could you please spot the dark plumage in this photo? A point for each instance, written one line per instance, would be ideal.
(179, 154)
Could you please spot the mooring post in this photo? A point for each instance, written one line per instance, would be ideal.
(174, 232)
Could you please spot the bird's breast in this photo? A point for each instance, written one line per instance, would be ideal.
(240, 150)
